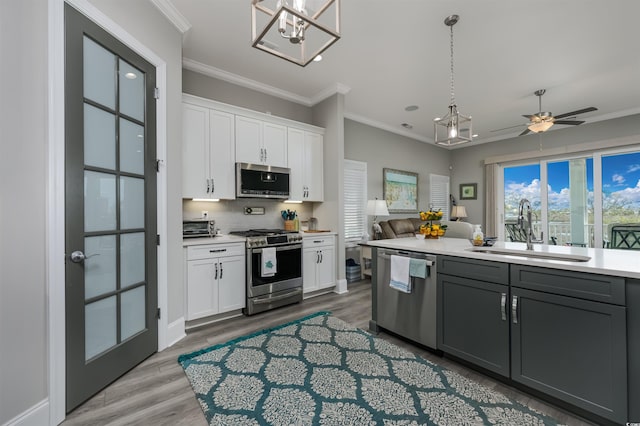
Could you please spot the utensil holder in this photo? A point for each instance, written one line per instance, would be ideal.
(289, 225)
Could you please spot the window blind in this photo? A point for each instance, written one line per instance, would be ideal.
(439, 194)
(355, 200)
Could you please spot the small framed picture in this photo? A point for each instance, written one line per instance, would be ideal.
(468, 191)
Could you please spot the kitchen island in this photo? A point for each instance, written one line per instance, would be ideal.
(562, 323)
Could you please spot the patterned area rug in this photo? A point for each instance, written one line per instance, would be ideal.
(319, 370)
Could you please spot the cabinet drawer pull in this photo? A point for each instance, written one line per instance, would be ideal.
(503, 306)
(514, 309)
(208, 186)
(220, 270)
(217, 251)
(216, 277)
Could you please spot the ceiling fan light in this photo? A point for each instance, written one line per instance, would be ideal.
(541, 126)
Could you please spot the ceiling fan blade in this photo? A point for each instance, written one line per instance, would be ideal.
(529, 117)
(570, 122)
(525, 132)
(507, 128)
(578, 112)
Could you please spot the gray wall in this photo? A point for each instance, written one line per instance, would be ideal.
(382, 149)
(24, 181)
(212, 88)
(468, 161)
(330, 115)
(23, 172)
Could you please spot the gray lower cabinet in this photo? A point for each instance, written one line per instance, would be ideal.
(568, 347)
(473, 316)
(563, 333)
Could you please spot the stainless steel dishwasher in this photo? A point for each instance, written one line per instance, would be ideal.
(410, 315)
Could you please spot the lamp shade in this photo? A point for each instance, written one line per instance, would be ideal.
(377, 208)
(458, 211)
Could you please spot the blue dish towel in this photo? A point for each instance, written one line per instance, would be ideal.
(400, 274)
(418, 268)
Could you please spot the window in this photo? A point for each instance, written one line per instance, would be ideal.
(575, 201)
(439, 194)
(355, 200)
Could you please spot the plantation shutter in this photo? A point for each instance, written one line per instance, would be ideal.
(439, 194)
(355, 200)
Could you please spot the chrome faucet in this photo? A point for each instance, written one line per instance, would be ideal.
(531, 238)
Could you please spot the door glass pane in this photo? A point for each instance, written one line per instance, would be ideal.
(99, 138)
(570, 202)
(99, 74)
(100, 326)
(131, 147)
(621, 200)
(131, 259)
(99, 201)
(521, 182)
(131, 91)
(132, 312)
(131, 203)
(100, 266)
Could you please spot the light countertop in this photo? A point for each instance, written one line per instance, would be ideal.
(622, 263)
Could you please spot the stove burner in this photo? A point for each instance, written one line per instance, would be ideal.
(268, 237)
(261, 232)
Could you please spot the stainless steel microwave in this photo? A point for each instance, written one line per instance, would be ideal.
(258, 181)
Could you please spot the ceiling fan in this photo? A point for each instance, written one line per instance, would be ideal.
(542, 121)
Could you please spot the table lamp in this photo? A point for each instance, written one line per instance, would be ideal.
(377, 208)
(459, 212)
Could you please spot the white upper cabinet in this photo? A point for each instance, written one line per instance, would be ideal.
(260, 142)
(305, 153)
(207, 153)
(216, 136)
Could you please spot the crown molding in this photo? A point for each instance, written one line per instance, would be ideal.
(388, 128)
(338, 88)
(173, 15)
(210, 71)
(214, 72)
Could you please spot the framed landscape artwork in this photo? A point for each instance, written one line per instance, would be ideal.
(400, 190)
(468, 191)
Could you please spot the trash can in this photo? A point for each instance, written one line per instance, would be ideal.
(353, 271)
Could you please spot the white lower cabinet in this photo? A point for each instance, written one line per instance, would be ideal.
(215, 279)
(318, 263)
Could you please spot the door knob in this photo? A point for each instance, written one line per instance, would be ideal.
(78, 256)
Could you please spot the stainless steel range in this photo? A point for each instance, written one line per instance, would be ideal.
(274, 269)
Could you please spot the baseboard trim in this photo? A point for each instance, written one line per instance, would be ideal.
(341, 287)
(176, 332)
(37, 415)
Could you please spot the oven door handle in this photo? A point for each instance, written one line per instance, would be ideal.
(281, 248)
(269, 299)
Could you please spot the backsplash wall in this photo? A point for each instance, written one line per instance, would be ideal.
(229, 215)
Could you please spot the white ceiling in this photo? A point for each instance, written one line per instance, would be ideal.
(395, 53)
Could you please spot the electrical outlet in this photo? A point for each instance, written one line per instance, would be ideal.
(254, 210)
(205, 214)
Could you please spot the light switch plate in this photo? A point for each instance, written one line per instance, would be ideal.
(254, 210)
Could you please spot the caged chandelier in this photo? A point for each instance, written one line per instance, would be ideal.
(456, 125)
(308, 25)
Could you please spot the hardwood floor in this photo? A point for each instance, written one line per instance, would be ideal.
(157, 392)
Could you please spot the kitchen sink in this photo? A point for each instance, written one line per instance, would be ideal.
(567, 257)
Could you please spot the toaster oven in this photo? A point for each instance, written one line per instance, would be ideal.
(198, 228)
